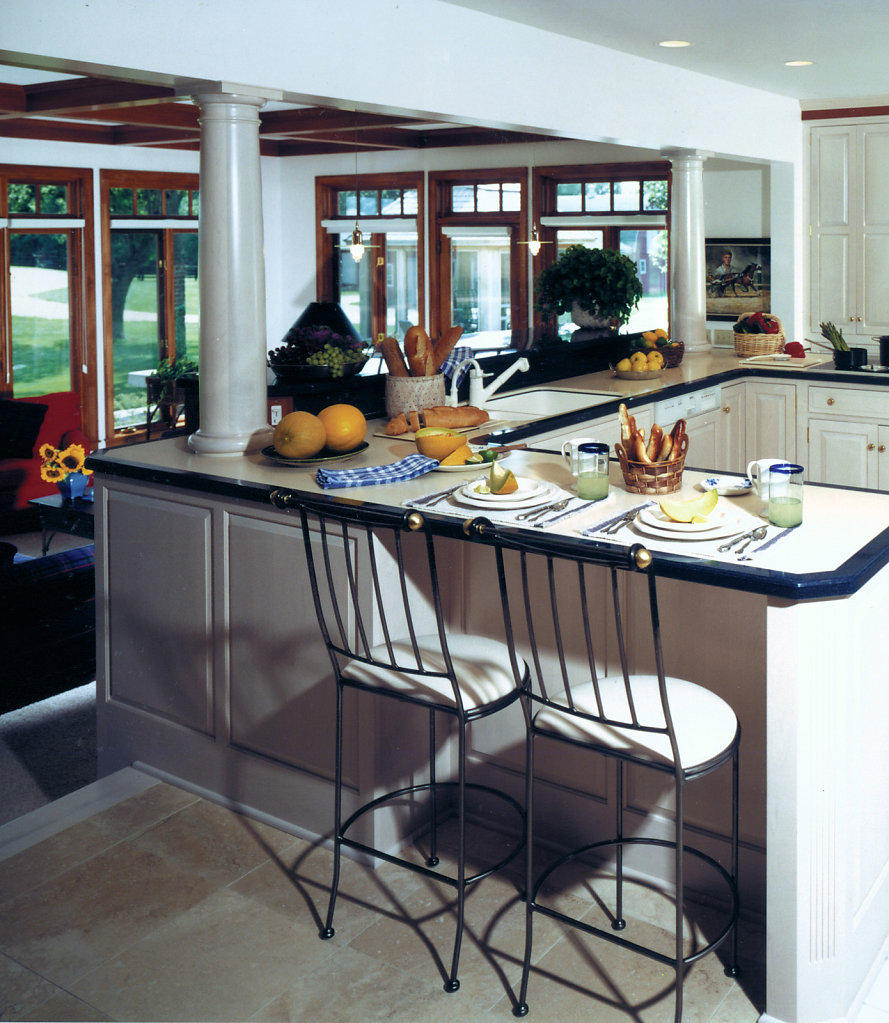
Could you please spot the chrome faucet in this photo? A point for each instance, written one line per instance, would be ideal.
(451, 398)
(478, 393)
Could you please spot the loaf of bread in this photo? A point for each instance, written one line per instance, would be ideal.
(445, 345)
(441, 415)
(394, 359)
(419, 351)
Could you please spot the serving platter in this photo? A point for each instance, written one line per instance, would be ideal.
(324, 455)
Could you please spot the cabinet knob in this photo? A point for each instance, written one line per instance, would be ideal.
(881, 448)
(831, 401)
(871, 447)
(726, 409)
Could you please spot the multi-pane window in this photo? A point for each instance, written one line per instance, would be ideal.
(479, 280)
(150, 262)
(622, 207)
(44, 237)
(380, 293)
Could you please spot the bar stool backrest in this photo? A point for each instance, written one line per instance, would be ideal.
(375, 583)
(587, 623)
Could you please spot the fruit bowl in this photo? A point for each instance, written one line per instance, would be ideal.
(638, 374)
(299, 373)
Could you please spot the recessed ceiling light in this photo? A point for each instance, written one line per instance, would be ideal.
(798, 63)
(674, 42)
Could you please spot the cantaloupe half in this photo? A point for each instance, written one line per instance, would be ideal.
(695, 510)
(501, 480)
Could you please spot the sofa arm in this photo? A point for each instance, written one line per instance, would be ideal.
(42, 586)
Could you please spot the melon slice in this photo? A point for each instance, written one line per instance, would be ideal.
(695, 510)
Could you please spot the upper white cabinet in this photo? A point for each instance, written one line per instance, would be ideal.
(849, 205)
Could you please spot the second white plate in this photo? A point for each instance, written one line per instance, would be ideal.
(511, 501)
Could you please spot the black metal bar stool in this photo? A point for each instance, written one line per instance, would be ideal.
(375, 582)
(586, 618)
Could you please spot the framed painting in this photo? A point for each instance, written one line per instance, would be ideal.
(738, 277)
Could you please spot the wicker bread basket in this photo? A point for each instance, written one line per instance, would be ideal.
(672, 356)
(747, 345)
(652, 477)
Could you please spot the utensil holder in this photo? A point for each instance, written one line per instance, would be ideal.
(406, 394)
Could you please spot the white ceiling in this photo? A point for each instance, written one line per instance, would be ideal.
(742, 41)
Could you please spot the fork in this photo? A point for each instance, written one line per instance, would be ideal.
(534, 513)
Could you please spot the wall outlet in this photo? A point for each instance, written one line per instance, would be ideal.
(276, 414)
(722, 338)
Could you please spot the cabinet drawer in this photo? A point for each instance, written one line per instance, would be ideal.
(872, 402)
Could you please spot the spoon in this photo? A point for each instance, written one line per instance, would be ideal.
(757, 534)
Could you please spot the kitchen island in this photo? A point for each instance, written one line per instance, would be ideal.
(212, 675)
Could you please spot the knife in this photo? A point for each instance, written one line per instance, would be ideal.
(438, 496)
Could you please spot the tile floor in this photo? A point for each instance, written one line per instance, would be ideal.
(146, 902)
(164, 906)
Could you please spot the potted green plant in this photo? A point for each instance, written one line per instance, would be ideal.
(164, 392)
(601, 283)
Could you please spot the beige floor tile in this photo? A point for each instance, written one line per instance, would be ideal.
(20, 989)
(222, 960)
(212, 841)
(91, 912)
(145, 810)
(592, 976)
(350, 986)
(64, 1008)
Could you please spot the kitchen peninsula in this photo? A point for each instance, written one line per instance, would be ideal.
(212, 675)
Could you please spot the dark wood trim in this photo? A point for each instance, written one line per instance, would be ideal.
(844, 113)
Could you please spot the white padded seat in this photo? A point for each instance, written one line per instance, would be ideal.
(481, 665)
(705, 725)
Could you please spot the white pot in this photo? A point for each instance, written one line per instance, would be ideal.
(584, 318)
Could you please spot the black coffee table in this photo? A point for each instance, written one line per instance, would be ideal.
(61, 515)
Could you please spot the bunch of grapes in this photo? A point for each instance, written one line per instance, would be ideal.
(335, 358)
(317, 346)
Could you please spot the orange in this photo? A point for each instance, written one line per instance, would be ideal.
(299, 435)
(345, 426)
(438, 445)
(458, 457)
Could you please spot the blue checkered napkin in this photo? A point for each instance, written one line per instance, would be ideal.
(457, 356)
(408, 468)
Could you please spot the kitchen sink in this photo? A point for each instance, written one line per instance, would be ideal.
(546, 401)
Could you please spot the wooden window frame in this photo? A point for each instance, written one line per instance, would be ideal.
(82, 261)
(326, 190)
(150, 180)
(440, 184)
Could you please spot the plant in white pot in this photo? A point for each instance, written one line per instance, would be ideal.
(601, 283)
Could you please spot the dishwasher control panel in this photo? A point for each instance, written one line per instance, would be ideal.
(684, 406)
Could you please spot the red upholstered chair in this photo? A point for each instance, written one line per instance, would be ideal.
(20, 480)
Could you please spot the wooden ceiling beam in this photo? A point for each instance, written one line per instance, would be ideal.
(314, 119)
(82, 94)
(56, 131)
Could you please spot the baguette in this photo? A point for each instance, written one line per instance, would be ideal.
(413, 419)
(678, 435)
(654, 443)
(639, 448)
(454, 418)
(666, 448)
(393, 357)
(445, 345)
(625, 434)
(397, 425)
(419, 352)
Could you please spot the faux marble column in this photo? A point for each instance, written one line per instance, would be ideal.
(688, 270)
(234, 416)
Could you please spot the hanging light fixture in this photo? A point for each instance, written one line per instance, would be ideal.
(535, 242)
(356, 244)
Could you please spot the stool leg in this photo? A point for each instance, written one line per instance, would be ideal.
(452, 984)
(327, 931)
(432, 860)
(680, 900)
(520, 1009)
(732, 969)
(619, 923)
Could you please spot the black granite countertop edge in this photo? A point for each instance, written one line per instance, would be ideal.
(843, 581)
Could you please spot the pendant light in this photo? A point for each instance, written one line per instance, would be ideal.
(356, 244)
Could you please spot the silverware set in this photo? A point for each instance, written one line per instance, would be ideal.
(624, 520)
(748, 537)
(535, 513)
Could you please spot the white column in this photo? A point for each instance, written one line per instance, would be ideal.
(232, 376)
(688, 271)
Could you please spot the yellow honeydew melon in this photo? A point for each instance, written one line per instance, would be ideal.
(695, 510)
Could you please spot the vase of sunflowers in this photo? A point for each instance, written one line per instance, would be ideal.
(66, 469)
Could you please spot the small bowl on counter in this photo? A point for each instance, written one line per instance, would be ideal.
(638, 374)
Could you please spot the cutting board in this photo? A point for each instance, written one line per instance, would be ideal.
(487, 427)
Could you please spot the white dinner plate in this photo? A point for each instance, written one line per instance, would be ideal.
(728, 525)
(655, 518)
(527, 488)
(727, 486)
(511, 501)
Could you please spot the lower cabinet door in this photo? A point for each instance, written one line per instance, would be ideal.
(843, 453)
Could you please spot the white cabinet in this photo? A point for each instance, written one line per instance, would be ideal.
(606, 430)
(848, 431)
(732, 438)
(850, 228)
(770, 416)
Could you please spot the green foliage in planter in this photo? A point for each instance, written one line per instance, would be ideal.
(602, 281)
(172, 369)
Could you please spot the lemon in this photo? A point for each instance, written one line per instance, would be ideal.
(624, 365)
(661, 333)
(502, 481)
(695, 510)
